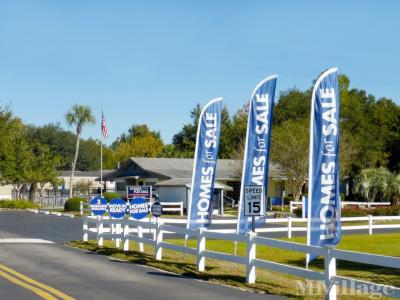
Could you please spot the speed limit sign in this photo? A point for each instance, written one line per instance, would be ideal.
(254, 200)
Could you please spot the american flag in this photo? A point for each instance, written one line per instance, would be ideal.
(104, 129)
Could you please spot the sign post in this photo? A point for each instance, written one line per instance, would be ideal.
(253, 202)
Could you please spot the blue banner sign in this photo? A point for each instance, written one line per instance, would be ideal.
(324, 226)
(139, 208)
(256, 156)
(98, 206)
(205, 163)
(117, 208)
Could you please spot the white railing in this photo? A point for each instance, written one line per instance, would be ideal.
(120, 230)
(294, 204)
(368, 204)
(172, 206)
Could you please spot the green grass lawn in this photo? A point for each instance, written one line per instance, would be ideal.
(270, 282)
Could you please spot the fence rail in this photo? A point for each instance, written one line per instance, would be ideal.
(126, 230)
(294, 204)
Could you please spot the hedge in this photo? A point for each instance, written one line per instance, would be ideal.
(18, 204)
(73, 204)
(355, 211)
(111, 195)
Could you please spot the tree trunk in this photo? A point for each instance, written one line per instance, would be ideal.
(71, 179)
(32, 191)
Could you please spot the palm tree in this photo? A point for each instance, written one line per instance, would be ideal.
(79, 116)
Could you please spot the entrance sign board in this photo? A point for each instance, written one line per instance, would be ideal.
(139, 191)
(117, 208)
(98, 206)
(139, 208)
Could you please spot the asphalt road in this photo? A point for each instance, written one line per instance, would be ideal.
(80, 275)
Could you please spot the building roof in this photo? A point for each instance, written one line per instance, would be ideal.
(187, 182)
(168, 168)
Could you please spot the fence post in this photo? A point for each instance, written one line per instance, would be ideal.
(201, 246)
(330, 273)
(85, 228)
(126, 232)
(251, 255)
(369, 224)
(81, 208)
(159, 238)
(140, 234)
(181, 207)
(100, 231)
(289, 224)
(112, 229)
(118, 232)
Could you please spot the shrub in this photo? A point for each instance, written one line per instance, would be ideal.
(387, 211)
(18, 204)
(354, 211)
(111, 195)
(298, 212)
(73, 204)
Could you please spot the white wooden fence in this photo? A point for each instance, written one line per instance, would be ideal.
(122, 231)
(172, 206)
(294, 204)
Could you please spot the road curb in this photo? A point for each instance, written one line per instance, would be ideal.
(54, 213)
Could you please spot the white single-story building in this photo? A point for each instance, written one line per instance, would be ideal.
(171, 178)
(6, 191)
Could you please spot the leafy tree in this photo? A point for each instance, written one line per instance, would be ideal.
(373, 183)
(136, 131)
(83, 186)
(79, 116)
(62, 143)
(393, 191)
(42, 168)
(58, 140)
(289, 149)
(145, 146)
(169, 151)
(17, 155)
(140, 141)
(293, 105)
(185, 140)
(238, 132)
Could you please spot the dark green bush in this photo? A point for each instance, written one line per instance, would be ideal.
(386, 211)
(111, 195)
(355, 211)
(18, 204)
(298, 212)
(73, 204)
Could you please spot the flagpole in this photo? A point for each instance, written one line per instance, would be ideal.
(101, 157)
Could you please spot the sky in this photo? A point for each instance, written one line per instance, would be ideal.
(152, 61)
